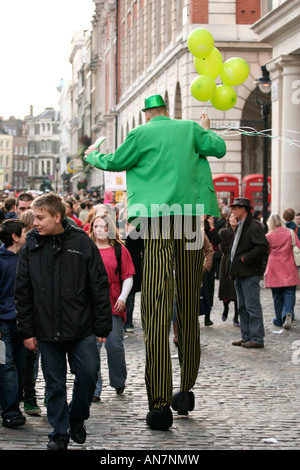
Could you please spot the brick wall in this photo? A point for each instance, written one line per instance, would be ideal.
(199, 11)
(247, 11)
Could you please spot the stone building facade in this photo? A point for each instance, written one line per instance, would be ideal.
(6, 159)
(14, 163)
(43, 150)
(280, 29)
(139, 47)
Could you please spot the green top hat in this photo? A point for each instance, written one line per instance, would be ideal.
(154, 101)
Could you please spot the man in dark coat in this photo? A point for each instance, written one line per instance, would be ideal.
(246, 268)
(62, 300)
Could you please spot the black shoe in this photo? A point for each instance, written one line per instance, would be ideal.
(183, 412)
(183, 402)
(120, 390)
(14, 421)
(57, 443)
(77, 433)
(160, 420)
(207, 321)
(96, 399)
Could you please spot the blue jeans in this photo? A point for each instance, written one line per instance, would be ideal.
(115, 357)
(129, 310)
(284, 302)
(84, 364)
(11, 373)
(249, 307)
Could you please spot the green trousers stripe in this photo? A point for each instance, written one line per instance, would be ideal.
(161, 257)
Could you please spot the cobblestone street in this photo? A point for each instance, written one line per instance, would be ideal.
(245, 399)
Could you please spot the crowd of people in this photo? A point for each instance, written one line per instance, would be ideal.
(124, 280)
(71, 266)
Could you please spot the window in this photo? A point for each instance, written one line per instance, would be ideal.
(31, 168)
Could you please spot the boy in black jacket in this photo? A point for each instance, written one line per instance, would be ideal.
(62, 300)
(12, 234)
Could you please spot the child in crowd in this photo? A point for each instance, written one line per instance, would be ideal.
(120, 272)
(12, 234)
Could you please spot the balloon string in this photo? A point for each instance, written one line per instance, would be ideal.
(208, 103)
(263, 133)
(205, 109)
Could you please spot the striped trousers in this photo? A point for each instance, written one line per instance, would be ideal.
(162, 255)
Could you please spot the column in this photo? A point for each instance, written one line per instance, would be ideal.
(285, 72)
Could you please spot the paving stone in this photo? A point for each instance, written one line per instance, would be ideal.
(244, 398)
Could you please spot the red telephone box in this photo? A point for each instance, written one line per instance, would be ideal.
(252, 186)
(226, 186)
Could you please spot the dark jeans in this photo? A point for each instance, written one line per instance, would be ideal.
(129, 310)
(84, 364)
(30, 373)
(11, 373)
(249, 307)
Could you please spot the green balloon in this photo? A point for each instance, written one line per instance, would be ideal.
(200, 42)
(224, 98)
(210, 66)
(203, 88)
(234, 71)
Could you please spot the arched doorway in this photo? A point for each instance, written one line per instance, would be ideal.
(252, 145)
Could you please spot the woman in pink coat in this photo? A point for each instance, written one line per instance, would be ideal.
(281, 272)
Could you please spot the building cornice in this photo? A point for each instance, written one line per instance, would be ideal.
(279, 23)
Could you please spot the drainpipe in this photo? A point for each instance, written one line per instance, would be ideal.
(117, 72)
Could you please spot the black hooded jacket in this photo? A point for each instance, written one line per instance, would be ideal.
(62, 289)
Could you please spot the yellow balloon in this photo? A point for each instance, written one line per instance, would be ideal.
(203, 88)
(224, 98)
(200, 42)
(234, 71)
(210, 66)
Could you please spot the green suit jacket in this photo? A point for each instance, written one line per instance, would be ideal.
(166, 168)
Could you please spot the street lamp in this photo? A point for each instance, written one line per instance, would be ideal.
(264, 84)
(57, 166)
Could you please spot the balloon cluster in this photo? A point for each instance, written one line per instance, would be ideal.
(209, 64)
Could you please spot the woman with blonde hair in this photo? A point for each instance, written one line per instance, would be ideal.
(281, 273)
(120, 270)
